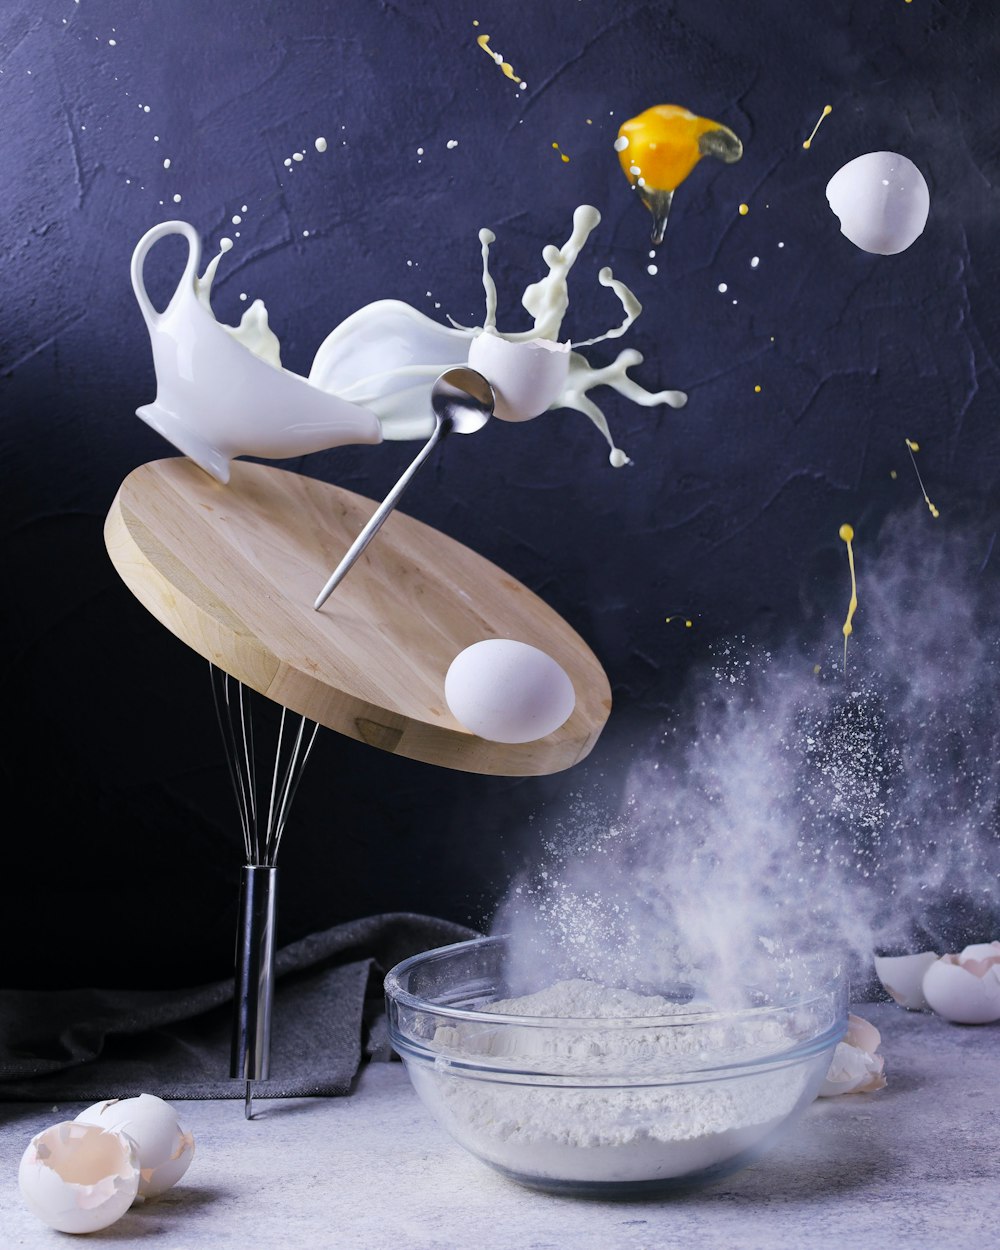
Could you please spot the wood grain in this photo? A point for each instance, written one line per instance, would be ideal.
(234, 570)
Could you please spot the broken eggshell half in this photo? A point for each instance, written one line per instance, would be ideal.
(79, 1178)
(527, 376)
(965, 987)
(165, 1149)
(902, 977)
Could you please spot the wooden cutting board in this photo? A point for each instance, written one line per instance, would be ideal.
(234, 571)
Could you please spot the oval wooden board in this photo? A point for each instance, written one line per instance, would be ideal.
(234, 570)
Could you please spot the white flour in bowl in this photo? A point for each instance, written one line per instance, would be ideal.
(607, 1130)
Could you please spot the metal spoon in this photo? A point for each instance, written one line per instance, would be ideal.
(462, 401)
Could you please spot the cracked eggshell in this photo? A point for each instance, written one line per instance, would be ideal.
(508, 691)
(79, 1178)
(855, 1068)
(527, 376)
(882, 201)
(965, 987)
(165, 1149)
(902, 977)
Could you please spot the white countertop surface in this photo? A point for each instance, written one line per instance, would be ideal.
(915, 1164)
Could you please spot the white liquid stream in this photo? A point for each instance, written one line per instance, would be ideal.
(386, 355)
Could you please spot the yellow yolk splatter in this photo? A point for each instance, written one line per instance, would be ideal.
(911, 447)
(562, 154)
(847, 535)
(687, 622)
(658, 148)
(827, 110)
(484, 43)
(744, 209)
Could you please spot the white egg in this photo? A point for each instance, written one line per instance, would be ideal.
(965, 988)
(79, 1178)
(527, 377)
(882, 201)
(508, 691)
(902, 977)
(165, 1149)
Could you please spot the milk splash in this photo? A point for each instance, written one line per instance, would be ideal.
(789, 823)
(386, 355)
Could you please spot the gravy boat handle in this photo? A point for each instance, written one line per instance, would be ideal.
(152, 317)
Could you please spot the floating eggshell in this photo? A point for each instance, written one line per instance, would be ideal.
(165, 1149)
(527, 376)
(508, 691)
(79, 1178)
(902, 977)
(882, 201)
(960, 992)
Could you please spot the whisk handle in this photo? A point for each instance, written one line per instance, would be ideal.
(254, 985)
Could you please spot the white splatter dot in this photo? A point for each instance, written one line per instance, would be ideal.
(145, 108)
(288, 160)
(236, 219)
(420, 151)
(723, 287)
(754, 262)
(112, 43)
(634, 169)
(243, 295)
(320, 144)
(652, 269)
(781, 245)
(166, 162)
(621, 143)
(177, 199)
(243, 209)
(296, 156)
(225, 245)
(452, 143)
(305, 234)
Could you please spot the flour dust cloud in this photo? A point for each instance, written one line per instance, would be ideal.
(792, 820)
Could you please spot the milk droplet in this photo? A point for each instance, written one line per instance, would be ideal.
(754, 262)
(723, 287)
(305, 234)
(652, 269)
(296, 156)
(243, 295)
(236, 219)
(288, 160)
(452, 143)
(177, 199)
(166, 162)
(225, 245)
(621, 143)
(420, 151)
(112, 43)
(320, 144)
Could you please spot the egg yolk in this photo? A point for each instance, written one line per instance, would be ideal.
(657, 150)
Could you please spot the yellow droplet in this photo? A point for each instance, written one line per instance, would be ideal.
(817, 669)
(744, 209)
(893, 474)
(687, 622)
(484, 43)
(562, 155)
(847, 535)
(911, 447)
(827, 110)
(757, 389)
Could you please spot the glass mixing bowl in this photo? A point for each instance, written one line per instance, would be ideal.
(607, 1107)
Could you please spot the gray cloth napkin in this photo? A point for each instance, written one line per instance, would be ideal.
(327, 1016)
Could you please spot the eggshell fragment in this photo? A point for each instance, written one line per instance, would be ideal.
(508, 691)
(965, 987)
(527, 376)
(902, 977)
(855, 1067)
(882, 201)
(79, 1178)
(165, 1149)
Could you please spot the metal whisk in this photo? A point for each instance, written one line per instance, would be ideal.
(262, 833)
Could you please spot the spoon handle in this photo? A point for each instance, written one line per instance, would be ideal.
(379, 517)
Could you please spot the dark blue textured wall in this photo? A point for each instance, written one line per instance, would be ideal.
(729, 513)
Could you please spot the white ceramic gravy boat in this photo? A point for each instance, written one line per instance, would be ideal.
(215, 398)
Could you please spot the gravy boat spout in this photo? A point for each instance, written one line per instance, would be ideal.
(216, 399)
